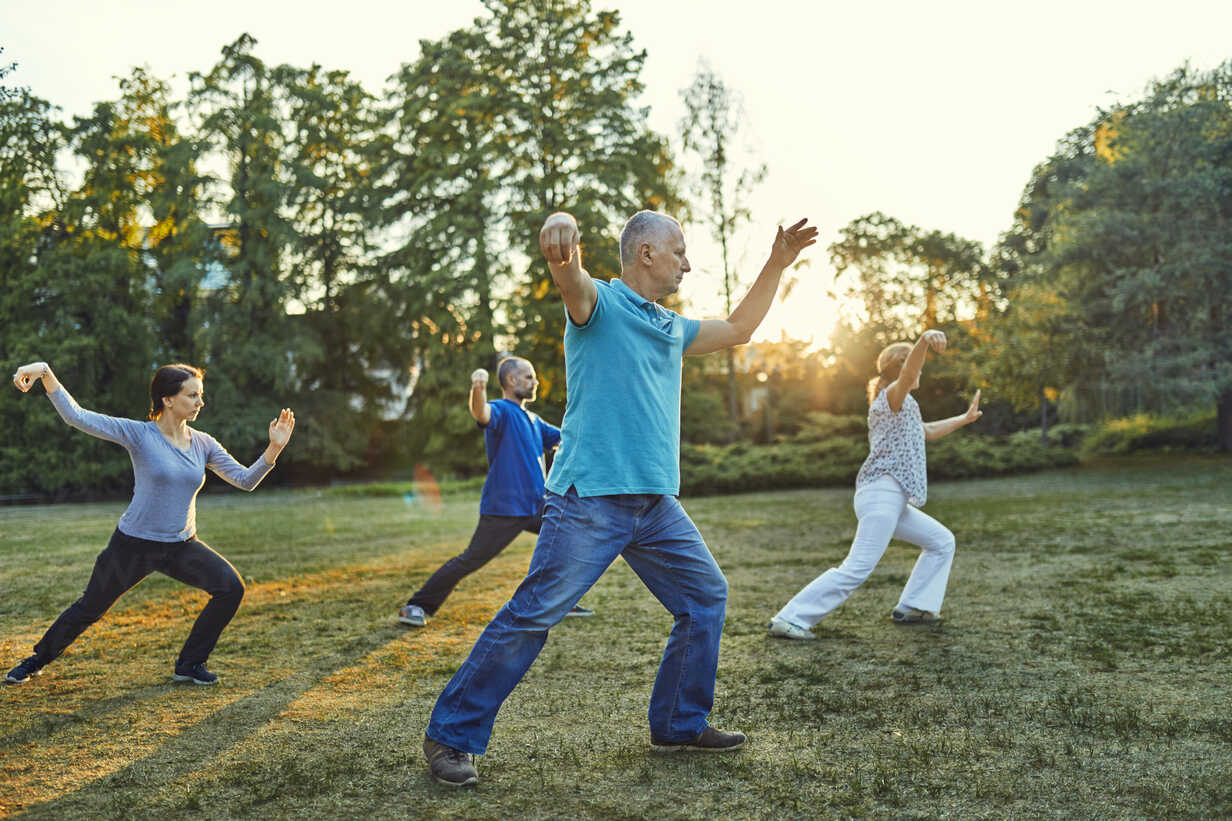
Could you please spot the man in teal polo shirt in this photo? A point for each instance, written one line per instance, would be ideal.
(612, 490)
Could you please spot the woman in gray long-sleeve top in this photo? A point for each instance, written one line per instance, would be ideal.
(158, 532)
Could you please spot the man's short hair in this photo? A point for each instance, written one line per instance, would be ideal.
(644, 226)
(505, 367)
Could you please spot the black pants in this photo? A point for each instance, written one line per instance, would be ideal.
(492, 535)
(125, 562)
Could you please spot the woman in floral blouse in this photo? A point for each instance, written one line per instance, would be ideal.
(891, 488)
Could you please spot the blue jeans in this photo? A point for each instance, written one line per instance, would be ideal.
(579, 539)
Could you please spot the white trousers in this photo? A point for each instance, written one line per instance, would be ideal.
(884, 514)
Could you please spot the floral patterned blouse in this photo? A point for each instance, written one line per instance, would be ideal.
(896, 448)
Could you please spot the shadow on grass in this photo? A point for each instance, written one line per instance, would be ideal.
(47, 724)
(196, 745)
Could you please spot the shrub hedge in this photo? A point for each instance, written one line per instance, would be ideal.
(829, 449)
(1151, 432)
(709, 469)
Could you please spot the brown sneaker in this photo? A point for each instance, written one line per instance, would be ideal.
(710, 741)
(450, 766)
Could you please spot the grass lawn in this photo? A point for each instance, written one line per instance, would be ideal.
(1083, 670)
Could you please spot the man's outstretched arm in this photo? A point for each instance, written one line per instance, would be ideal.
(737, 329)
(559, 242)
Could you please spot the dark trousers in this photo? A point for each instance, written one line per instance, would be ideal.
(492, 535)
(125, 562)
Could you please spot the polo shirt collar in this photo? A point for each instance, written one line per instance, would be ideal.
(630, 294)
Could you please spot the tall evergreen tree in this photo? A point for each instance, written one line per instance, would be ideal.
(575, 140)
(444, 199)
(527, 111)
(248, 341)
(329, 209)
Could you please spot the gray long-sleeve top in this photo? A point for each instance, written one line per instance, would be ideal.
(165, 479)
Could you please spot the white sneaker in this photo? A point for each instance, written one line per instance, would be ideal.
(413, 615)
(909, 615)
(780, 629)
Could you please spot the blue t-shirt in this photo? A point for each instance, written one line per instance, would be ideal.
(516, 440)
(621, 432)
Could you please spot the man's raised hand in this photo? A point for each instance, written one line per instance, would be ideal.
(558, 239)
(790, 242)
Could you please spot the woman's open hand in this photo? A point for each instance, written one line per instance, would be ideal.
(281, 428)
(973, 410)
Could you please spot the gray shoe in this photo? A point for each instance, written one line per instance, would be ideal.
(780, 629)
(413, 615)
(909, 615)
(450, 766)
(710, 741)
(579, 611)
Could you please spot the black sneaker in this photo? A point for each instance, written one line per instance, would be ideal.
(710, 741)
(197, 674)
(22, 672)
(450, 766)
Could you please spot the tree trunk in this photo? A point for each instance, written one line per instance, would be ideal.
(1043, 417)
(1223, 420)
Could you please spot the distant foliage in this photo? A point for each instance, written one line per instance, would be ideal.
(835, 460)
(1149, 432)
(821, 426)
(966, 457)
(355, 255)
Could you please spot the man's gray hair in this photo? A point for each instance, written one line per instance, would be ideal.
(644, 226)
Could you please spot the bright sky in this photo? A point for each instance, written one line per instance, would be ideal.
(933, 112)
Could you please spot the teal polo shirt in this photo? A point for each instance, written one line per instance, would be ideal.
(621, 432)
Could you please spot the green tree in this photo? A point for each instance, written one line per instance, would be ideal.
(170, 235)
(445, 197)
(329, 210)
(249, 343)
(1028, 352)
(1133, 232)
(710, 130)
(527, 111)
(78, 293)
(570, 75)
(909, 280)
(31, 200)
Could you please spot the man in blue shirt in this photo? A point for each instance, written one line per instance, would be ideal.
(512, 500)
(612, 490)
